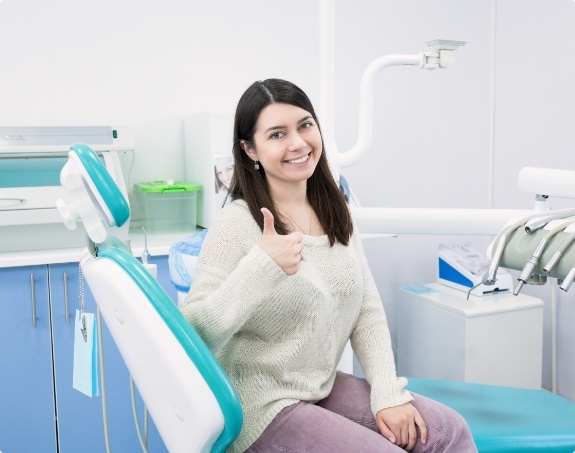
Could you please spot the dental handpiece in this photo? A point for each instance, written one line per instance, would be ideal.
(533, 261)
(559, 252)
(568, 280)
(490, 276)
(530, 266)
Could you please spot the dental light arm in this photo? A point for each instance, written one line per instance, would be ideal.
(440, 57)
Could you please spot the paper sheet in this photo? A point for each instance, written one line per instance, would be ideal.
(85, 378)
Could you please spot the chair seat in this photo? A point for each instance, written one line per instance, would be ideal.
(507, 419)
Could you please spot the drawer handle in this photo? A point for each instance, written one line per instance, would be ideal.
(66, 305)
(11, 202)
(33, 292)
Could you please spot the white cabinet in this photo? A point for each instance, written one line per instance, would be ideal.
(494, 339)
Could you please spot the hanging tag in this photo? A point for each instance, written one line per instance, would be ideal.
(85, 378)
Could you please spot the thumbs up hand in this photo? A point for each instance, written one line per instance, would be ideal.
(284, 250)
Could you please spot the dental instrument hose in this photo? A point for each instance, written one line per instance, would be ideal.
(560, 250)
(143, 439)
(534, 260)
(540, 221)
(103, 382)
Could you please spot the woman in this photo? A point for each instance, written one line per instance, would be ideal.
(282, 283)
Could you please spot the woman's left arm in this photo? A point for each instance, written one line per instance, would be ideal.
(371, 343)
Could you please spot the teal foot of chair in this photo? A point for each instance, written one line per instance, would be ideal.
(507, 419)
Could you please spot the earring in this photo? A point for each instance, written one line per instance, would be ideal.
(256, 165)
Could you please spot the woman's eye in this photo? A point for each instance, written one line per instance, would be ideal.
(306, 125)
(277, 135)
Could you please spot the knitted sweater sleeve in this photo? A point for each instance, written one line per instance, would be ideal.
(233, 276)
(371, 343)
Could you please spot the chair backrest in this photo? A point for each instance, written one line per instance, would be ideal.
(191, 400)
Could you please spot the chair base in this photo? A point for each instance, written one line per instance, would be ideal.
(507, 419)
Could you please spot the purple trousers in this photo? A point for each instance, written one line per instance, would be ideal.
(343, 422)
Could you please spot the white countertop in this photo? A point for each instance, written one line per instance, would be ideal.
(158, 245)
(456, 301)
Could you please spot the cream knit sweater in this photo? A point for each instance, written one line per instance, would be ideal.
(279, 337)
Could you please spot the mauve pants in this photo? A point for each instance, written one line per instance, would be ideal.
(343, 422)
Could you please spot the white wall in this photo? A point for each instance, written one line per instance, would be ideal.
(147, 64)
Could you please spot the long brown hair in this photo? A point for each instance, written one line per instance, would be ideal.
(251, 185)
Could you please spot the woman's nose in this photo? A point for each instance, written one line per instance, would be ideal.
(296, 142)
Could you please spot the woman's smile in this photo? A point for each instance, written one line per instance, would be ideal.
(299, 161)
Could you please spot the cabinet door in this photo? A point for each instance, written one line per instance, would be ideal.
(27, 414)
(80, 421)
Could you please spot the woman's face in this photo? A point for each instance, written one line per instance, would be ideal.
(287, 143)
(224, 172)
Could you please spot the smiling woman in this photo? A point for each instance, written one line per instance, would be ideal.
(281, 285)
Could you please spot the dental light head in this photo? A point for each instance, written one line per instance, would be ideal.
(443, 56)
(96, 199)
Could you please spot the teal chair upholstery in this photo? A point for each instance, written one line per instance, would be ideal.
(507, 419)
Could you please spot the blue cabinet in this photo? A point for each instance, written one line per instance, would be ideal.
(36, 384)
(27, 409)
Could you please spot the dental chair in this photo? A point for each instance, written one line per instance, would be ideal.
(188, 395)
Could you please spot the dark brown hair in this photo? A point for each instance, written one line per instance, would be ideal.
(251, 185)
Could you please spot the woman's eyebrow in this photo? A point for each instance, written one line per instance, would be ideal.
(305, 118)
(274, 127)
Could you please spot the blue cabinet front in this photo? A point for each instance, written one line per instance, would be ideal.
(27, 409)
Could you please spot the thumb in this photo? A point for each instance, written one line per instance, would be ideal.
(269, 227)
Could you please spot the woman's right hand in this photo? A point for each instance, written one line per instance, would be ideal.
(284, 250)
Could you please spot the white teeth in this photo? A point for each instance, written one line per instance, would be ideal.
(301, 160)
